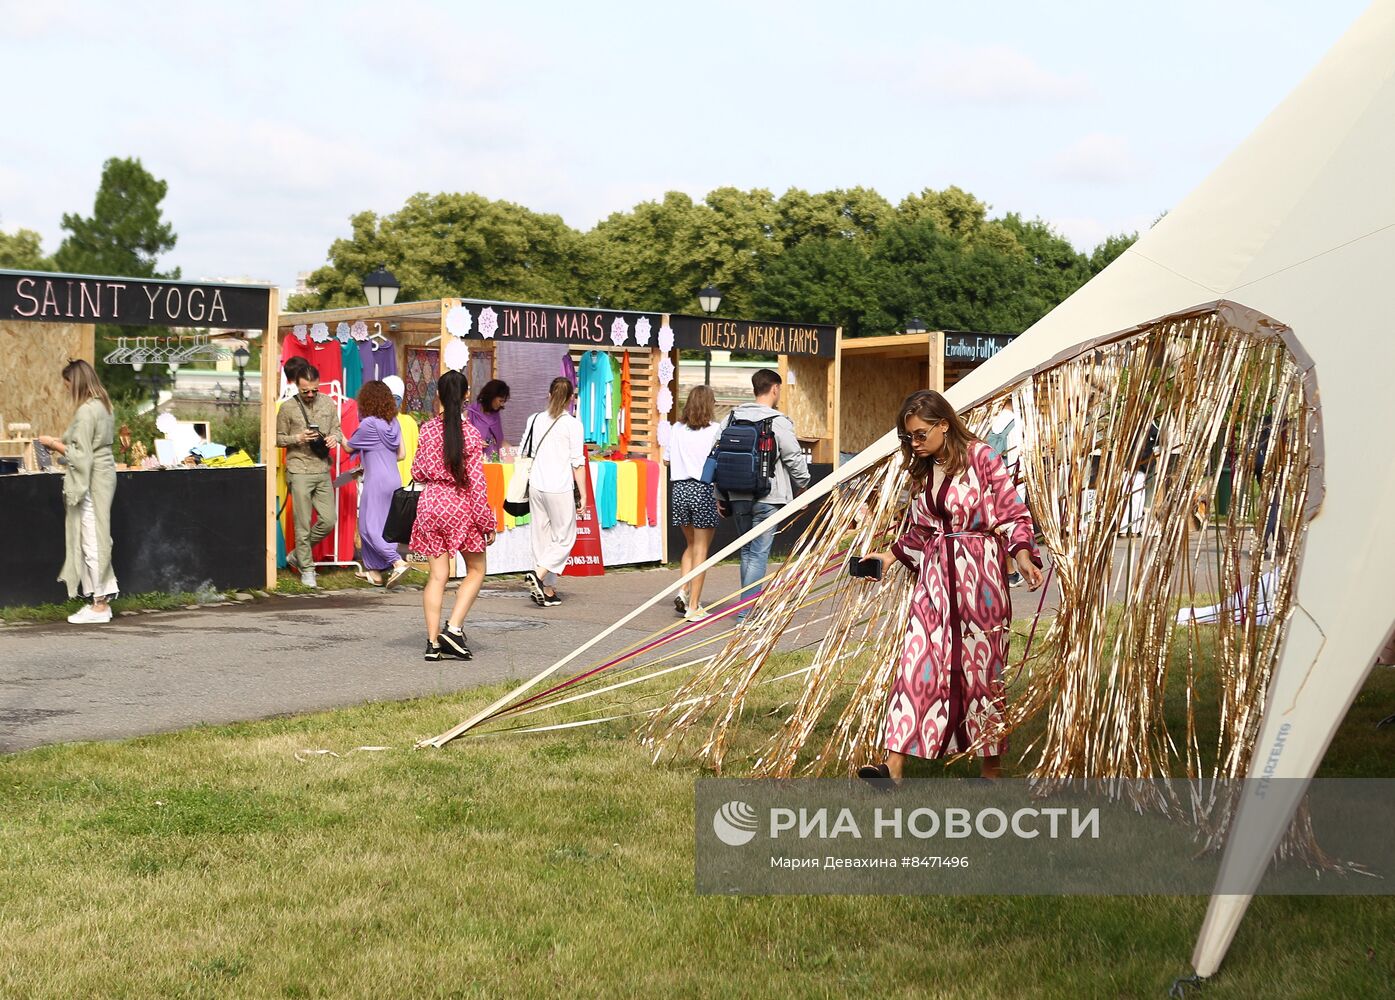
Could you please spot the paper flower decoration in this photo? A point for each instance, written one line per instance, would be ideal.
(458, 321)
(457, 355)
(665, 370)
(489, 322)
(619, 331)
(359, 331)
(642, 333)
(665, 431)
(665, 400)
(319, 333)
(665, 338)
(341, 332)
(300, 331)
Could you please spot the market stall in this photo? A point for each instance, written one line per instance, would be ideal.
(525, 346)
(878, 373)
(177, 529)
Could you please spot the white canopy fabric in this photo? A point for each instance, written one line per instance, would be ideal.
(1299, 224)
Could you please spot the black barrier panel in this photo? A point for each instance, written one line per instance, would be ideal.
(75, 298)
(172, 532)
(697, 333)
(537, 324)
(726, 528)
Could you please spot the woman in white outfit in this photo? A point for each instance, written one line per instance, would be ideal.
(556, 489)
(89, 484)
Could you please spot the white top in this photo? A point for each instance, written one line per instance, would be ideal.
(557, 454)
(688, 450)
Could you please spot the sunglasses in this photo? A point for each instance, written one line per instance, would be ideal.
(919, 437)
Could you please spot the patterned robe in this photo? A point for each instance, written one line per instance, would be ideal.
(949, 689)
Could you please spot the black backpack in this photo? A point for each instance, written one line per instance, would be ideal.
(744, 459)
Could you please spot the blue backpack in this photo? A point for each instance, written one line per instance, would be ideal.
(743, 460)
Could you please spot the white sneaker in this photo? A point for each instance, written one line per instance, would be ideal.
(90, 616)
(307, 578)
(696, 614)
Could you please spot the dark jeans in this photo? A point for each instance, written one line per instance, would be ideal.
(755, 553)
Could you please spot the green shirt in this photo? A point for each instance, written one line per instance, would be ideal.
(290, 421)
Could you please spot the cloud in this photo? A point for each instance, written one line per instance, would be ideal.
(991, 75)
(1087, 232)
(1095, 159)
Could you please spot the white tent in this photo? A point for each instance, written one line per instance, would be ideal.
(1298, 224)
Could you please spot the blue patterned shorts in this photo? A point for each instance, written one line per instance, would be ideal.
(693, 503)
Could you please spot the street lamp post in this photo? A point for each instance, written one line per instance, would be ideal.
(915, 325)
(710, 298)
(380, 287)
(240, 357)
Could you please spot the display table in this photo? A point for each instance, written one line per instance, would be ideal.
(172, 531)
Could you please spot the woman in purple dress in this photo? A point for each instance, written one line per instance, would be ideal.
(379, 441)
(486, 416)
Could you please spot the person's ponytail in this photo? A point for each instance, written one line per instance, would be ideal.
(451, 389)
(559, 396)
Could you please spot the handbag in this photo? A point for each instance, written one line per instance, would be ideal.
(402, 514)
(516, 498)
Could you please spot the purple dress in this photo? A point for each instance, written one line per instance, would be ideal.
(377, 440)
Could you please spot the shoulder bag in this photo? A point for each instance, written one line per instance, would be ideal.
(516, 499)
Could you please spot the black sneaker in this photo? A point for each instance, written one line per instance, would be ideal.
(433, 652)
(680, 603)
(1014, 579)
(551, 600)
(535, 588)
(453, 644)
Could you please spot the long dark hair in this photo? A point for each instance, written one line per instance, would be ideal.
(451, 389)
(930, 406)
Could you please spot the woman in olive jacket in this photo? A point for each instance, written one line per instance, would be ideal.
(88, 487)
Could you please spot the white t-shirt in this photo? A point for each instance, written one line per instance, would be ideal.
(557, 454)
(688, 450)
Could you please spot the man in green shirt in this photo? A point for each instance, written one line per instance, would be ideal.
(307, 426)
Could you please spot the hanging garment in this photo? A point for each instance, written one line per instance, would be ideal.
(329, 360)
(351, 361)
(627, 492)
(384, 360)
(606, 499)
(494, 490)
(597, 378)
(509, 520)
(622, 443)
(407, 424)
(651, 488)
(642, 490)
(569, 373)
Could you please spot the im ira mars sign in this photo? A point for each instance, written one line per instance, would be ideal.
(70, 298)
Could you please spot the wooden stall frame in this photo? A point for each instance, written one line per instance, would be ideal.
(271, 455)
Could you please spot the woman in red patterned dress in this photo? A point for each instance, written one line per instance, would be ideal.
(967, 523)
(453, 514)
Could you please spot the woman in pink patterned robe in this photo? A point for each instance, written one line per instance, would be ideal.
(967, 522)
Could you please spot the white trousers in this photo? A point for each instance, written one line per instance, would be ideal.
(553, 528)
(90, 559)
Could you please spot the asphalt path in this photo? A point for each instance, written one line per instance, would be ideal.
(158, 672)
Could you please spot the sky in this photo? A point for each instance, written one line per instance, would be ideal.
(274, 122)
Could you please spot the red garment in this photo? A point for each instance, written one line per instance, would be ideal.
(622, 444)
(449, 518)
(340, 460)
(329, 360)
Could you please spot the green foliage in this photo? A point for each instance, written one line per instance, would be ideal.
(22, 251)
(844, 256)
(125, 235)
(1111, 248)
(238, 428)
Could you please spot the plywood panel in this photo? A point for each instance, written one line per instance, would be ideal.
(32, 356)
(805, 396)
(871, 396)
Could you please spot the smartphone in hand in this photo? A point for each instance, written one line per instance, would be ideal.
(869, 569)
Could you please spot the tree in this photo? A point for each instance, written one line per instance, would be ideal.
(445, 245)
(858, 214)
(1106, 253)
(125, 235)
(22, 251)
(824, 280)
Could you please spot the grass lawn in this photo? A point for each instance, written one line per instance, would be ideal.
(213, 863)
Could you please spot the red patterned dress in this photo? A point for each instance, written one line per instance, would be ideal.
(949, 689)
(450, 519)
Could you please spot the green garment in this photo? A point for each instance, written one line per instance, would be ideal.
(91, 469)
